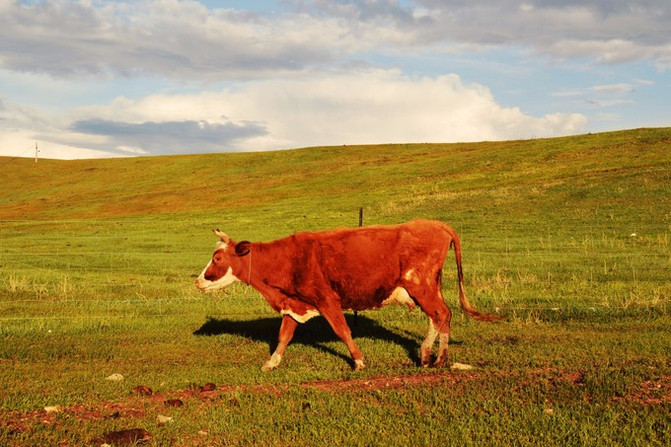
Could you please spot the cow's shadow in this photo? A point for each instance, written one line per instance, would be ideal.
(315, 332)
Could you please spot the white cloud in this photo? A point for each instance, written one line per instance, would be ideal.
(614, 88)
(375, 106)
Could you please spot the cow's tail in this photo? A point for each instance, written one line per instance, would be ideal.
(465, 304)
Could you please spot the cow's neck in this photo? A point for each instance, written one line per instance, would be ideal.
(262, 258)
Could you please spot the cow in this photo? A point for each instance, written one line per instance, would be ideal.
(323, 273)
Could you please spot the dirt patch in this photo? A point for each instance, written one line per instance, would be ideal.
(650, 392)
(391, 382)
(138, 405)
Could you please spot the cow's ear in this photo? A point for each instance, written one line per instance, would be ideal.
(243, 248)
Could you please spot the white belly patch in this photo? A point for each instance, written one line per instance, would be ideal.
(300, 318)
(400, 296)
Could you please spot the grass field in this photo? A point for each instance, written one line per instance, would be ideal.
(567, 237)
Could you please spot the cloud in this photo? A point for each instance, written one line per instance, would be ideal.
(320, 108)
(380, 106)
(609, 102)
(610, 32)
(168, 137)
(614, 88)
(327, 108)
(606, 95)
(161, 76)
(186, 40)
(175, 39)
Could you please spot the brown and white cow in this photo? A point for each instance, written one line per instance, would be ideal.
(323, 273)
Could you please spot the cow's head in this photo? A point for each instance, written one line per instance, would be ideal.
(227, 264)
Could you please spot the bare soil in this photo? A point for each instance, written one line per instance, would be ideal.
(138, 405)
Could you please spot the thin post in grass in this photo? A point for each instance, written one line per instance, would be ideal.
(356, 314)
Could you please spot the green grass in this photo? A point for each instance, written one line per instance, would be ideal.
(97, 261)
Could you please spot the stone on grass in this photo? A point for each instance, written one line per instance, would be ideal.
(115, 377)
(461, 366)
(161, 420)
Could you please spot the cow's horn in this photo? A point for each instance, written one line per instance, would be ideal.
(223, 236)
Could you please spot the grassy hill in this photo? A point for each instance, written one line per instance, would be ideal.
(611, 174)
(568, 238)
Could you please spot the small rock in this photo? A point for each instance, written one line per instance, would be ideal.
(53, 409)
(173, 403)
(208, 387)
(461, 366)
(203, 433)
(162, 420)
(549, 411)
(143, 390)
(115, 377)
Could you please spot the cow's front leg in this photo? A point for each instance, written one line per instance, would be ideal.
(336, 319)
(286, 334)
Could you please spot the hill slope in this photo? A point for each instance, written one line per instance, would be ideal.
(97, 261)
(622, 174)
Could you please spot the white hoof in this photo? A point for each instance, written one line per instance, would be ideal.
(272, 363)
(359, 365)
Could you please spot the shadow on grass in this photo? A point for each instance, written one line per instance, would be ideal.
(315, 332)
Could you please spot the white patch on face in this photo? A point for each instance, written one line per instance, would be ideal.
(400, 296)
(300, 318)
(207, 285)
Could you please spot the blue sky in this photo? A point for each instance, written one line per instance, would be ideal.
(94, 78)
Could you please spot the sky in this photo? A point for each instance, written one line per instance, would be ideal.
(92, 79)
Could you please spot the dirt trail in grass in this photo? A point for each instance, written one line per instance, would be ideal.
(138, 405)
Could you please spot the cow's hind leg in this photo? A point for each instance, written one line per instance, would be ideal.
(431, 301)
(426, 349)
(286, 334)
(443, 339)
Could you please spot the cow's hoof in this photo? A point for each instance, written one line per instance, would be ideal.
(359, 365)
(269, 366)
(272, 362)
(425, 357)
(426, 360)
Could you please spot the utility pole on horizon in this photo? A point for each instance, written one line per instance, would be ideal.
(36, 151)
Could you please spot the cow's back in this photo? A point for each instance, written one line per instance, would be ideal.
(364, 265)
